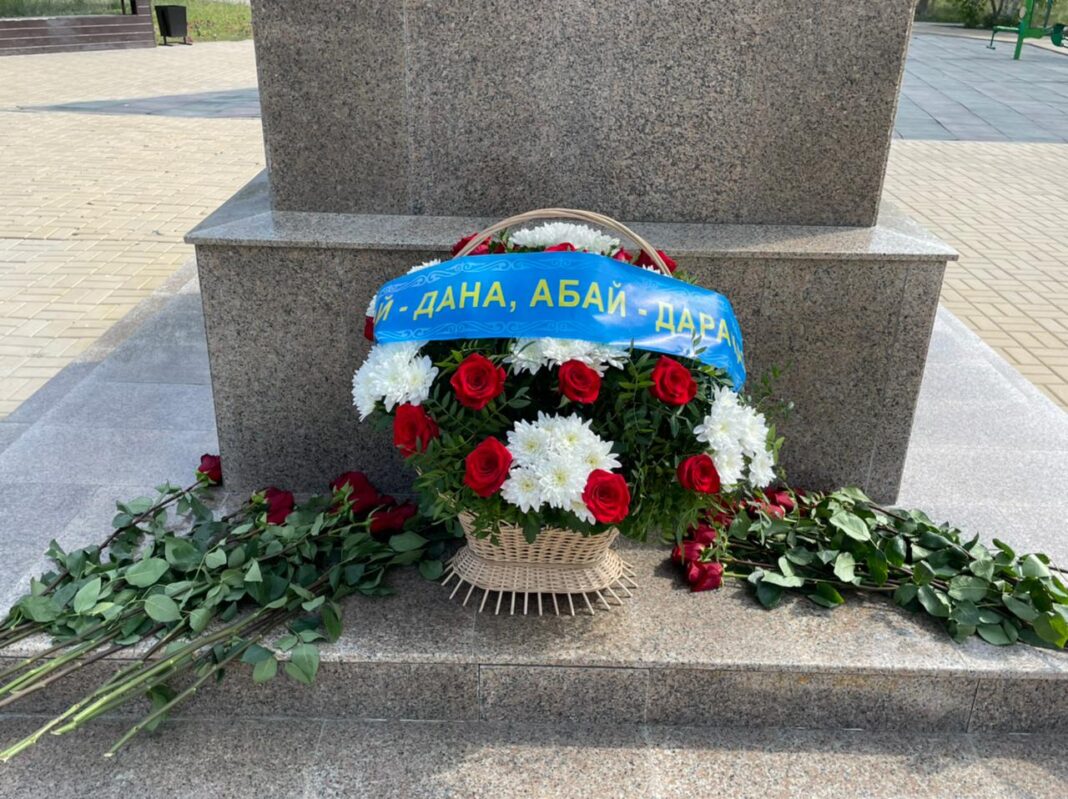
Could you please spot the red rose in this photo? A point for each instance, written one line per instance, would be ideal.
(279, 505)
(607, 496)
(672, 382)
(413, 430)
(676, 554)
(362, 495)
(481, 249)
(774, 511)
(477, 381)
(210, 469)
(369, 328)
(782, 498)
(703, 534)
(564, 246)
(579, 383)
(698, 473)
(391, 518)
(486, 467)
(623, 255)
(704, 576)
(669, 262)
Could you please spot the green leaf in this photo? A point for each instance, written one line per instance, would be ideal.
(252, 574)
(406, 542)
(287, 642)
(215, 559)
(966, 613)
(783, 580)
(146, 572)
(304, 660)
(312, 604)
(160, 696)
(983, 567)
(199, 618)
(85, 599)
(331, 621)
(431, 569)
(993, 634)
(531, 528)
(162, 608)
(265, 670)
(237, 558)
(934, 602)
(254, 654)
(1031, 566)
(768, 595)
(1052, 628)
(971, 588)
(851, 524)
(905, 593)
(844, 566)
(1019, 608)
(896, 551)
(181, 554)
(826, 595)
(39, 608)
(877, 566)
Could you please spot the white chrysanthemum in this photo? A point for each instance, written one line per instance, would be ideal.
(416, 268)
(579, 509)
(523, 489)
(730, 464)
(569, 434)
(394, 373)
(529, 443)
(597, 454)
(363, 396)
(558, 351)
(579, 236)
(761, 469)
(527, 355)
(753, 432)
(722, 427)
(562, 481)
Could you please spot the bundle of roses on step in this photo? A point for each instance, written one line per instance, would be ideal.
(561, 432)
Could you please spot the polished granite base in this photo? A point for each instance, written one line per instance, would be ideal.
(844, 313)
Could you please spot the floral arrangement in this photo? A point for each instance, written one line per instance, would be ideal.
(561, 432)
(186, 595)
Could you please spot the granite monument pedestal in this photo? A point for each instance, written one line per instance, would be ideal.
(392, 128)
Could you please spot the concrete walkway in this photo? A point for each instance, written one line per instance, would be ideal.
(93, 207)
(955, 89)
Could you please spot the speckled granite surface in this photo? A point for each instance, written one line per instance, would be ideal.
(845, 313)
(656, 111)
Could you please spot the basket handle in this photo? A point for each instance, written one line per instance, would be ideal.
(568, 213)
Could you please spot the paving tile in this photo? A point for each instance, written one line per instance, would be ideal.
(557, 693)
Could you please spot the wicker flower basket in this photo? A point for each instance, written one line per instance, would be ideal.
(560, 563)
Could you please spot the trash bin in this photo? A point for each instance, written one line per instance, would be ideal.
(172, 23)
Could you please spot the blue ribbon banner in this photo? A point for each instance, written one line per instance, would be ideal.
(573, 295)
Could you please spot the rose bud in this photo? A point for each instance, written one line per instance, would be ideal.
(362, 494)
(279, 505)
(486, 467)
(698, 473)
(210, 469)
(607, 496)
(477, 381)
(704, 576)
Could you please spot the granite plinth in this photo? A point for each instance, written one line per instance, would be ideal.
(416, 760)
(417, 655)
(682, 111)
(845, 313)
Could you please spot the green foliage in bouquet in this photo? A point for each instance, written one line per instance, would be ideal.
(188, 596)
(825, 545)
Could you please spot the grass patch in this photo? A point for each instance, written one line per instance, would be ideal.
(209, 20)
(215, 21)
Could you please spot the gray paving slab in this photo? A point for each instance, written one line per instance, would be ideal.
(234, 103)
(955, 88)
(417, 760)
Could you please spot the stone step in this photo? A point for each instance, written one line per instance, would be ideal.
(668, 657)
(270, 757)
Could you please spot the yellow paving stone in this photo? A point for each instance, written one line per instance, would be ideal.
(1011, 282)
